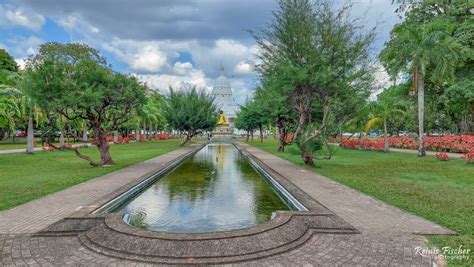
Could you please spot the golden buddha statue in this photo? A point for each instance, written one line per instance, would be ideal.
(222, 119)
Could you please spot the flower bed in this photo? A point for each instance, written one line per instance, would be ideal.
(447, 143)
(364, 144)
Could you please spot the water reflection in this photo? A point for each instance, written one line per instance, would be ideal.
(217, 189)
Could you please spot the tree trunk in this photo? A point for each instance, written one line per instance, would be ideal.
(307, 158)
(115, 137)
(385, 140)
(251, 135)
(144, 131)
(103, 147)
(84, 133)
(30, 139)
(282, 136)
(137, 134)
(261, 133)
(61, 139)
(188, 137)
(421, 114)
(248, 135)
(151, 130)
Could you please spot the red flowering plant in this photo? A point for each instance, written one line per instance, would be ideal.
(442, 156)
(162, 136)
(469, 156)
(365, 144)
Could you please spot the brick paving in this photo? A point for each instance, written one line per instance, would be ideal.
(387, 233)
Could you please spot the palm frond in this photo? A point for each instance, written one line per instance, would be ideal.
(371, 123)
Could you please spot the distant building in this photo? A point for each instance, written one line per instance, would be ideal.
(222, 93)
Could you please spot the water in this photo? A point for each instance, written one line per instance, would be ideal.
(215, 190)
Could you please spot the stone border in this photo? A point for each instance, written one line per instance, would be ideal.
(108, 234)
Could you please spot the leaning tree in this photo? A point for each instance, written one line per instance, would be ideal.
(190, 111)
(74, 81)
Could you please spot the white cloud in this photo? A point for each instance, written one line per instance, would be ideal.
(182, 68)
(243, 68)
(12, 16)
(382, 80)
(148, 59)
(21, 63)
(162, 82)
(24, 46)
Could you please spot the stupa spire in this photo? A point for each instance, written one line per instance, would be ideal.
(222, 70)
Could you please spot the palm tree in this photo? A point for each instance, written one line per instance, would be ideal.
(381, 111)
(418, 48)
(8, 111)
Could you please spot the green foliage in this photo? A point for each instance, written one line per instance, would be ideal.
(75, 82)
(253, 115)
(435, 39)
(191, 111)
(7, 62)
(315, 65)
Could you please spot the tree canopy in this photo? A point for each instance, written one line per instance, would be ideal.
(312, 59)
(190, 111)
(74, 81)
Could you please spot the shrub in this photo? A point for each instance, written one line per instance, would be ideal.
(365, 144)
(447, 143)
(442, 156)
(469, 156)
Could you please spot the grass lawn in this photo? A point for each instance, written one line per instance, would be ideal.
(442, 192)
(25, 177)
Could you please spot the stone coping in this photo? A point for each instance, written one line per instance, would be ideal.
(108, 233)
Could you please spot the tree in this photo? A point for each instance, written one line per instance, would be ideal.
(7, 62)
(425, 45)
(191, 112)
(8, 79)
(313, 58)
(458, 101)
(386, 107)
(74, 81)
(286, 59)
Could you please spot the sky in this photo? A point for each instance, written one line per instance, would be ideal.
(165, 42)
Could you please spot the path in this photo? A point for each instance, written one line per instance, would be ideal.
(415, 152)
(428, 153)
(36, 149)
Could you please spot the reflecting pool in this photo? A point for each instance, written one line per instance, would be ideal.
(217, 189)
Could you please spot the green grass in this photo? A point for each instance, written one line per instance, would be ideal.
(25, 177)
(442, 192)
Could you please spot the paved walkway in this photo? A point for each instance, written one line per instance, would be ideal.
(415, 152)
(428, 153)
(37, 214)
(387, 233)
(36, 149)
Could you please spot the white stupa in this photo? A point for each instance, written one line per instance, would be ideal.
(222, 93)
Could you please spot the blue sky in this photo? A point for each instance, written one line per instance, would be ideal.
(165, 43)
